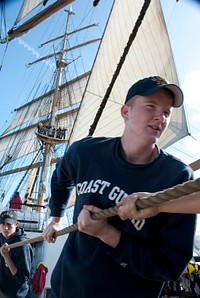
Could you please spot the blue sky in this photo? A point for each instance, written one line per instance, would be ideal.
(16, 80)
(183, 23)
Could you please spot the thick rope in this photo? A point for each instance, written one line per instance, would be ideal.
(170, 194)
(157, 198)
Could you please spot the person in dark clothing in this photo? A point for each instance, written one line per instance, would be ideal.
(15, 263)
(111, 257)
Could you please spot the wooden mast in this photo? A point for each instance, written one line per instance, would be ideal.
(48, 150)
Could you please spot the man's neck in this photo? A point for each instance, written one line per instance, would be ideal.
(139, 154)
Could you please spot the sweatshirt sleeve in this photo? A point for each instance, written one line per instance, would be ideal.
(23, 260)
(165, 252)
(62, 182)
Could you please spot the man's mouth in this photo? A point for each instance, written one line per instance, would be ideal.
(155, 127)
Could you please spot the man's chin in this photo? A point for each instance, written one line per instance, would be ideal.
(153, 139)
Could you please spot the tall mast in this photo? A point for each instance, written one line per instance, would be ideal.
(48, 150)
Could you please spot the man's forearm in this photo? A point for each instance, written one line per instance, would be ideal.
(11, 265)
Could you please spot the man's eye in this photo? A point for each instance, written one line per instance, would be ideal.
(167, 114)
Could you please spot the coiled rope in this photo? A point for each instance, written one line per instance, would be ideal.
(156, 198)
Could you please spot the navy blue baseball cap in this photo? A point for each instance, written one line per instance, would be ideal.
(8, 216)
(150, 85)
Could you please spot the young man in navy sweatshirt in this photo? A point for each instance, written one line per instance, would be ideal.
(111, 257)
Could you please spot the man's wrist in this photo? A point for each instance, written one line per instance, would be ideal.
(56, 219)
(111, 236)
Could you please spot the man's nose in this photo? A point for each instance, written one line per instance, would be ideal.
(160, 117)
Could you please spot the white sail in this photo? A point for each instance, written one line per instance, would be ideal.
(149, 55)
(26, 8)
(42, 105)
(23, 141)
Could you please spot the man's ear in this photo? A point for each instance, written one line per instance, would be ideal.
(16, 223)
(124, 111)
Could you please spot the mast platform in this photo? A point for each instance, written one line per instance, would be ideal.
(50, 140)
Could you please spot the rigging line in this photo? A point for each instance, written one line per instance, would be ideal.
(3, 57)
(119, 66)
(6, 161)
(195, 127)
(36, 87)
(3, 17)
(171, 15)
(73, 56)
(85, 16)
(20, 182)
(42, 74)
(194, 138)
(183, 152)
(57, 18)
(25, 84)
(4, 54)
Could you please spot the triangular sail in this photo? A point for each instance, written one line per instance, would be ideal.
(26, 8)
(150, 54)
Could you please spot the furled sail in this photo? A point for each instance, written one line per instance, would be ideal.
(150, 54)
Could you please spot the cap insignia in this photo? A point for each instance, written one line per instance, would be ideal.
(159, 80)
(7, 214)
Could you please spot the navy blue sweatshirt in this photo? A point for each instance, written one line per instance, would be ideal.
(149, 252)
(17, 285)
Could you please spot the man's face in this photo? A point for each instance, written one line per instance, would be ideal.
(146, 117)
(8, 229)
